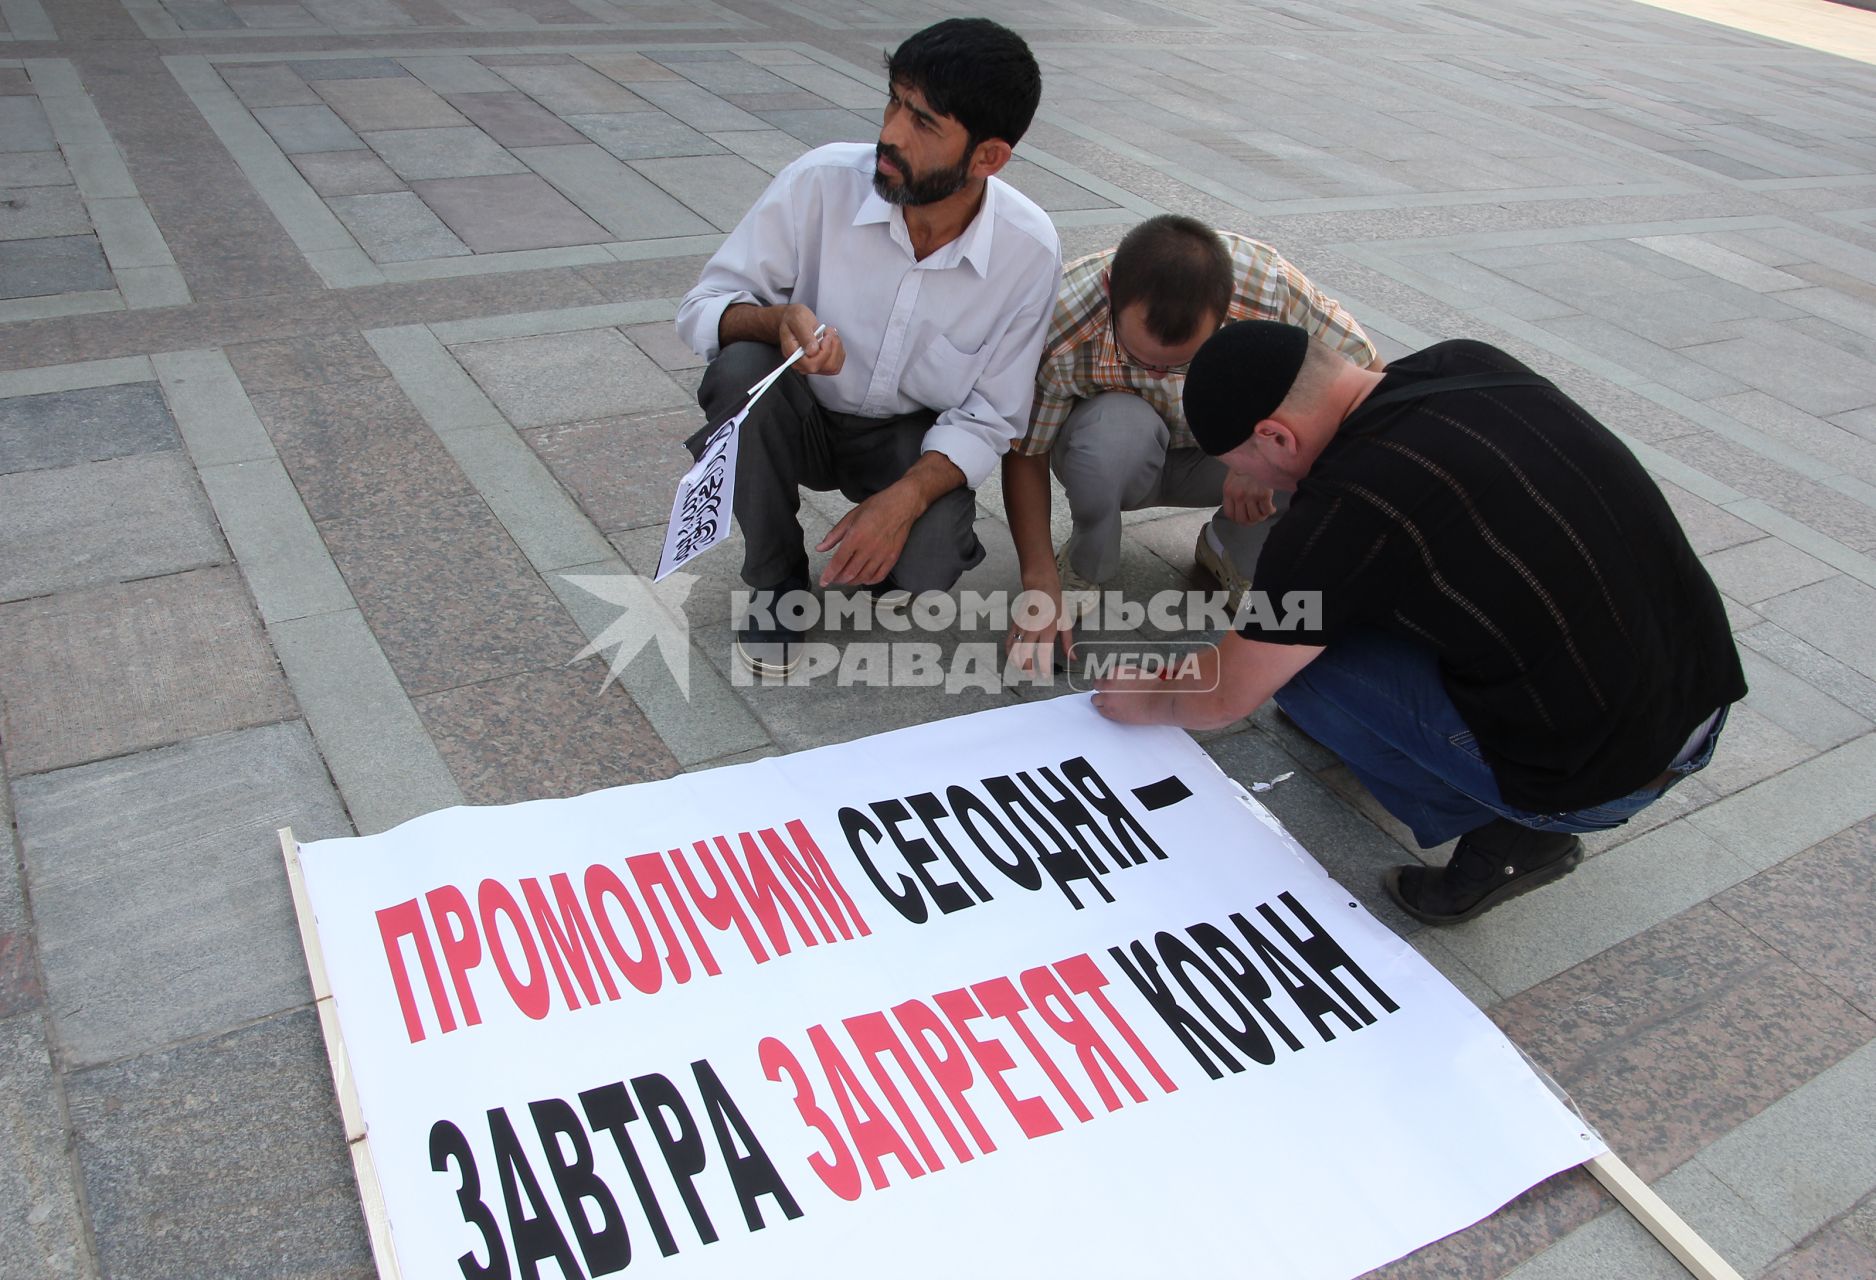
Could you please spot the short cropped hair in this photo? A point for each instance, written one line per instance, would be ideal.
(977, 72)
(1179, 268)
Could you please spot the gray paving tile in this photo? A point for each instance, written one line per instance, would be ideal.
(59, 428)
(821, 126)
(271, 17)
(572, 89)
(620, 470)
(97, 522)
(1608, 899)
(248, 1124)
(397, 227)
(34, 169)
(465, 152)
(23, 125)
(117, 852)
(698, 108)
(1794, 368)
(629, 68)
(41, 1232)
(1052, 192)
(721, 188)
(269, 84)
(450, 73)
(770, 150)
(1613, 1245)
(613, 195)
(1349, 847)
(509, 212)
(347, 173)
(390, 103)
(1758, 570)
(568, 377)
(1797, 1163)
(1801, 709)
(1726, 1222)
(111, 670)
(514, 120)
(1707, 527)
(661, 343)
(346, 68)
(275, 542)
(1771, 820)
(644, 134)
(60, 264)
(1838, 615)
(297, 129)
(1751, 749)
(33, 213)
(725, 76)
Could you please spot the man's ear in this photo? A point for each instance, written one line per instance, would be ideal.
(1279, 435)
(989, 158)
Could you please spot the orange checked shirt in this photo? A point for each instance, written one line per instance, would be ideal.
(1080, 359)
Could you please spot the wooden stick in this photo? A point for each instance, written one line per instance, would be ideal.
(370, 1190)
(1662, 1222)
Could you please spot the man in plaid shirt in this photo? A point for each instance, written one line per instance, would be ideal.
(1107, 417)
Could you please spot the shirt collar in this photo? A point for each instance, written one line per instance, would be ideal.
(972, 247)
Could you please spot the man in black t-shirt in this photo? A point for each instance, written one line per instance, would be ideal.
(1479, 601)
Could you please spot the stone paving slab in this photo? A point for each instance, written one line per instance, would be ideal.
(504, 213)
(57, 429)
(568, 377)
(101, 522)
(116, 852)
(249, 1124)
(397, 227)
(41, 1231)
(34, 213)
(122, 668)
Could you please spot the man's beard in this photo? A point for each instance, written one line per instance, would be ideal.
(928, 188)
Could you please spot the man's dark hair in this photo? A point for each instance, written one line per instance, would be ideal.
(1179, 268)
(979, 73)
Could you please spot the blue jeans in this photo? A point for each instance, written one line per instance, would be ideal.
(1378, 702)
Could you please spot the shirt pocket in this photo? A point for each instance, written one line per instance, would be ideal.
(940, 376)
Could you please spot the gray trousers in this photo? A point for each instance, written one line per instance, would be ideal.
(1112, 456)
(790, 442)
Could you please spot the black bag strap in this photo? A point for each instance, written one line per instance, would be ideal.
(1366, 419)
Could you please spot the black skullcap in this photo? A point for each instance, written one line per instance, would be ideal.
(1238, 379)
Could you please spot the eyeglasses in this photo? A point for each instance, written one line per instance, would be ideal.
(1147, 366)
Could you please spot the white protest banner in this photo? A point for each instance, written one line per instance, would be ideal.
(1020, 993)
(705, 500)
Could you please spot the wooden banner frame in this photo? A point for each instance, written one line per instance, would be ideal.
(1635, 1196)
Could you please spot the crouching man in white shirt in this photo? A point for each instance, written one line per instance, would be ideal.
(935, 280)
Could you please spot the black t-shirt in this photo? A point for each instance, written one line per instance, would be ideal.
(1577, 633)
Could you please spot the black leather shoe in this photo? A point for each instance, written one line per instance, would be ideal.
(770, 646)
(1492, 864)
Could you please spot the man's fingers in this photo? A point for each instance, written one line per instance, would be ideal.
(838, 532)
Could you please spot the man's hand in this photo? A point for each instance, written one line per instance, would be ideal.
(1032, 648)
(1128, 697)
(1245, 502)
(820, 355)
(871, 536)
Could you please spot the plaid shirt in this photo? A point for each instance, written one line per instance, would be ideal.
(1080, 359)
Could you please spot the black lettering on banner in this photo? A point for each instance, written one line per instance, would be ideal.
(1316, 1004)
(753, 1175)
(447, 1143)
(918, 854)
(1325, 955)
(608, 1110)
(930, 809)
(536, 1235)
(1106, 801)
(606, 1249)
(1073, 816)
(1247, 978)
(1021, 869)
(679, 1142)
(1245, 982)
(1198, 1041)
(1070, 864)
(906, 900)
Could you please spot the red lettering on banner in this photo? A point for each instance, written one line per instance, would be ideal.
(867, 1127)
(1032, 1115)
(531, 997)
(720, 909)
(944, 1058)
(762, 889)
(942, 1051)
(462, 946)
(649, 871)
(837, 1169)
(1084, 977)
(642, 970)
(815, 883)
(405, 920)
(567, 937)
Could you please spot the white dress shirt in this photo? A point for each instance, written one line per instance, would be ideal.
(959, 332)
